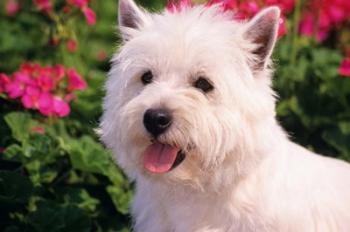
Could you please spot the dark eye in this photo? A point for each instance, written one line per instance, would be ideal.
(203, 84)
(147, 77)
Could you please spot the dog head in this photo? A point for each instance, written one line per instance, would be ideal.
(187, 90)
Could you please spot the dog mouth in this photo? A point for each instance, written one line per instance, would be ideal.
(162, 158)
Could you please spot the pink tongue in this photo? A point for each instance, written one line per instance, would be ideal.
(159, 158)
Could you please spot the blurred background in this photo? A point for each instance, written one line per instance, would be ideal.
(54, 55)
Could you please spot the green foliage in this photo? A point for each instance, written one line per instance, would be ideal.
(70, 181)
(54, 173)
(314, 103)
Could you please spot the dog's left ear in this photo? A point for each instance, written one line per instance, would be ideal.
(262, 30)
(130, 18)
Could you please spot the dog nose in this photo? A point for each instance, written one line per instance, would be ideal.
(156, 121)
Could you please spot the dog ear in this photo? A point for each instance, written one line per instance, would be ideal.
(130, 18)
(262, 30)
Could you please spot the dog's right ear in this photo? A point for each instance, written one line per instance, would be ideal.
(131, 18)
(262, 30)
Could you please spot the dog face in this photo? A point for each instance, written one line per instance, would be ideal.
(186, 90)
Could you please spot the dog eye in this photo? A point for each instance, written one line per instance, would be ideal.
(147, 77)
(203, 84)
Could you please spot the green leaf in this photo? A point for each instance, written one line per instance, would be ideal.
(87, 155)
(79, 197)
(39, 173)
(120, 197)
(87, 201)
(12, 152)
(48, 176)
(20, 125)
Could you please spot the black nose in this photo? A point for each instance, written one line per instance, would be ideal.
(157, 121)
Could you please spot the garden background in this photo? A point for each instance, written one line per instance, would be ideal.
(54, 55)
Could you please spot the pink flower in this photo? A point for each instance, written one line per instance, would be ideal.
(30, 97)
(12, 7)
(226, 4)
(78, 3)
(90, 15)
(2, 150)
(243, 9)
(306, 26)
(324, 20)
(323, 17)
(14, 90)
(336, 14)
(58, 72)
(174, 6)
(29, 68)
(75, 81)
(17, 86)
(43, 5)
(50, 105)
(45, 83)
(40, 88)
(42, 71)
(71, 45)
(61, 108)
(4, 80)
(248, 9)
(286, 6)
(344, 68)
(45, 104)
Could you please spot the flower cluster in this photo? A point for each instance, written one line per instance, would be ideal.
(90, 15)
(247, 9)
(321, 17)
(13, 6)
(46, 89)
(243, 9)
(43, 5)
(318, 18)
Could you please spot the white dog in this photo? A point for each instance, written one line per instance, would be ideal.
(190, 117)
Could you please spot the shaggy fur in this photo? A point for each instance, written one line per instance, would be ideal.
(241, 172)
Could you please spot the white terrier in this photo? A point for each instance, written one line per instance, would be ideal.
(190, 117)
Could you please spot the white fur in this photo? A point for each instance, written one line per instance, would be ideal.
(241, 172)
